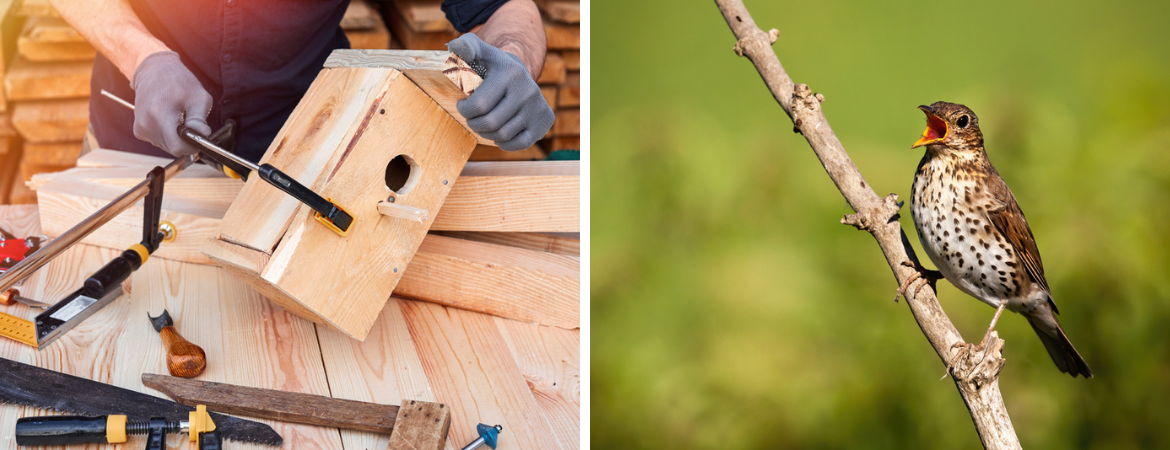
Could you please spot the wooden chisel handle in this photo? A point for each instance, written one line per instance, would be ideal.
(184, 359)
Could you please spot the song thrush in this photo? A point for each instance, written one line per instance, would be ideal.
(975, 233)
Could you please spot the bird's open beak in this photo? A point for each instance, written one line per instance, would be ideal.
(936, 128)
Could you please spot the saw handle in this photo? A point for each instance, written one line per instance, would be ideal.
(184, 359)
(67, 430)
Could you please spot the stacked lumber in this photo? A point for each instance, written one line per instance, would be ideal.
(421, 25)
(364, 27)
(488, 250)
(47, 84)
(562, 71)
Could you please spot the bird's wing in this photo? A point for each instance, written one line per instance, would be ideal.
(1010, 221)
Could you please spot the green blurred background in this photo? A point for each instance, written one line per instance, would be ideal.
(730, 309)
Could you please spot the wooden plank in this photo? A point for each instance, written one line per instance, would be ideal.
(566, 143)
(28, 80)
(9, 166)
(405, 34)
(568, 123)
(515, 282)
(441, 74)
(532, 241)
(359, 15)
(493, 153)
(293, 407)
(114, 158)
(550, 95)
(29, 8)
(62, 207)
(545, 201)
(6, 128)
(550, 359)
(561, 36)
(423, 15)
(572, 59)
(569, 94)
(60, 154)
(510, 282)
(198, 198)
(51, 120)
(421, 426)
(554, 69)
(10, 26)
(568, 11)
(47, 39)
(19, 194)
(385, 368)
(360, 183)
(468, 364)
(375, 38)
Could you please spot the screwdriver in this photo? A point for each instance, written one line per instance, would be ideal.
(184, 359)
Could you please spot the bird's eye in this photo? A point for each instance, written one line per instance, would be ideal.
(962, 123)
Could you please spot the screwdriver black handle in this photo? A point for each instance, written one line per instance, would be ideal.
(67, 430)
(282, 181)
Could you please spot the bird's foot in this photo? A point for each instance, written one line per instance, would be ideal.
(977, 363)
(915, 280)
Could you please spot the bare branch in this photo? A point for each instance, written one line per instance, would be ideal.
(975, 370)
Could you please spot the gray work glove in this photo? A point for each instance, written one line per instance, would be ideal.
(166, 94)
(507, 107)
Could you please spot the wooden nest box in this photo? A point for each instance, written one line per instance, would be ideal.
(378, 133)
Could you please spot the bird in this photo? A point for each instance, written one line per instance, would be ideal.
(975, 233)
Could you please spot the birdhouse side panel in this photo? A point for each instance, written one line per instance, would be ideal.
(406, 157)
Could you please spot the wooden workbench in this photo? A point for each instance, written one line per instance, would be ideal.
(488, 369)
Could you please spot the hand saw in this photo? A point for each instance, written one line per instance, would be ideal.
(33, 386)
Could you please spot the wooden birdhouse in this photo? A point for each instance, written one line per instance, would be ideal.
(377, 133)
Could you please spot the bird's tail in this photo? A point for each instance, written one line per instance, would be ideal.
(1059, 347)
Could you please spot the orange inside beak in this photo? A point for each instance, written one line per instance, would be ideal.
(936, 129)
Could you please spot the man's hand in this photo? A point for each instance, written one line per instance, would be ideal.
(507, 107)
(166, 95)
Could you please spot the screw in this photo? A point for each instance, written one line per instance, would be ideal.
(487, 435)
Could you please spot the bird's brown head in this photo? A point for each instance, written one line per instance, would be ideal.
(950, 125)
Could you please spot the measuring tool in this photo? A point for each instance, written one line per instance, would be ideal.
(334, 216)
(104, 285)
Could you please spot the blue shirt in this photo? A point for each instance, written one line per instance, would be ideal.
(256, 58)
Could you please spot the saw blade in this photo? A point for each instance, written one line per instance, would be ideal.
(33, 386)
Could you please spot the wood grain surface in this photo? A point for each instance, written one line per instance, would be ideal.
(487, 370)
(51, 120)
(499, 280)
(27, 80)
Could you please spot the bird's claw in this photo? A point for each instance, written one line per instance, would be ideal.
(921, 274)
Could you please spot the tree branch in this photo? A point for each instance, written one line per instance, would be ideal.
(974, 370)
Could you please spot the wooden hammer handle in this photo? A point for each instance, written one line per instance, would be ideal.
(184, 359)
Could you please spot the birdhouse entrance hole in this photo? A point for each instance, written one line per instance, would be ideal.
(402, 173)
